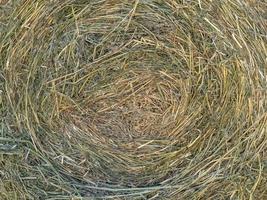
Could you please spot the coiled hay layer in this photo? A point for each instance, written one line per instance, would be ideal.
(133, 99)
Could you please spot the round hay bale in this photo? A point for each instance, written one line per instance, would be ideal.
(134, 99)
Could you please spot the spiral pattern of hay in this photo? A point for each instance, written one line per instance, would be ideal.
(143, 99)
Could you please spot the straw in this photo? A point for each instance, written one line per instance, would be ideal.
(133, 99)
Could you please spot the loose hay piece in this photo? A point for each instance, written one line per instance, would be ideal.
(133, 99)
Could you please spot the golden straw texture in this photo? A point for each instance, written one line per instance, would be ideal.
(138, 99)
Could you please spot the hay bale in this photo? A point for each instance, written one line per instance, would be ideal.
(133, 99)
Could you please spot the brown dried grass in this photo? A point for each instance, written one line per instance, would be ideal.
(133, 99)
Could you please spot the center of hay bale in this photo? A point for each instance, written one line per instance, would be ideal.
(139, 105)
(132, 122)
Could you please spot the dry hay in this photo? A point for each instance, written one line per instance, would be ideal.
(133, 99)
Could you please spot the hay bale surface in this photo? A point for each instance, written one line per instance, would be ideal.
(133, 99)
